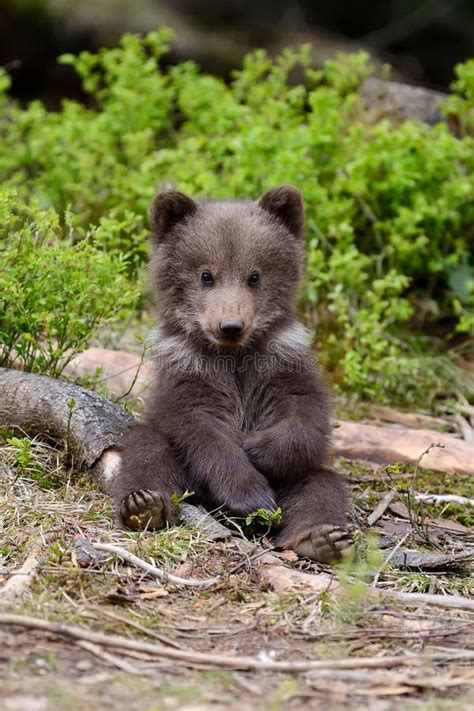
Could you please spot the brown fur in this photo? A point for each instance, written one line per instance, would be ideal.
(241, 420)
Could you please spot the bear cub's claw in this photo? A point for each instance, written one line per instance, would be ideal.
(325, 543)
(143, 509)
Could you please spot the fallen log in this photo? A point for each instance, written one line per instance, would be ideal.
(412, 420)
(86, 423)
(387, 445)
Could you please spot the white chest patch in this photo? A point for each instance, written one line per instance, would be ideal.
(291, 342)
(175, 351)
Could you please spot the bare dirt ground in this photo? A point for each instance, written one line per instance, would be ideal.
(46, 509)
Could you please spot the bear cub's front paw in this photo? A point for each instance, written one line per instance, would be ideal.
(143, 509)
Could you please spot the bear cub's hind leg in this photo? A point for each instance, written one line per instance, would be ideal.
(148, 477)
(314, 520)
(325, 543)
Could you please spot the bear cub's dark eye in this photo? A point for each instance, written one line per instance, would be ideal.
(254, 278)
(207, 278)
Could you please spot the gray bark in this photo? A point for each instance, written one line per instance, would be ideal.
(198, 517)
(84, 421)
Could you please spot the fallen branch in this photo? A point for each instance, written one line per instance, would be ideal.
(442, 499)
(285, 580)
(434, 562)
(370, 634)
(466, 429)
(146, 630)
(152, 569)
(454, 601)
(21, 579)
(244, 663)
(111, 659)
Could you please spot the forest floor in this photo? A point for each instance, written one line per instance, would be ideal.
(416, 654)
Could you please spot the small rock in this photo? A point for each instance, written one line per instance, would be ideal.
(84, 665)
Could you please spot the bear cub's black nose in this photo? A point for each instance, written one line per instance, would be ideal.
(231, 327)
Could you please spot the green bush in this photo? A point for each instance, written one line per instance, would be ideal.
(390, 208)
(54, 294)
(460, 106)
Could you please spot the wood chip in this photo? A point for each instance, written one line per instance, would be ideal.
(381, 508)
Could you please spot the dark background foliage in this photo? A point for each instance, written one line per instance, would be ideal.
(422, 39)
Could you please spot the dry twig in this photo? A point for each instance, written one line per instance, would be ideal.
(152, 569)
(443, 499)
(388, 559)
(284, 579)
(146, 630)
(381, 507)
(191, 658)
(115, 661)
(21, 579)
(455, 601)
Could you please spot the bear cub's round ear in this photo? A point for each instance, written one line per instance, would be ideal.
(286, 204)
(167, 210)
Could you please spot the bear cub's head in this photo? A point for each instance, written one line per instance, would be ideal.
(226, 272)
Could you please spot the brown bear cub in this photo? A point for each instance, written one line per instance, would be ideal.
(238, 414)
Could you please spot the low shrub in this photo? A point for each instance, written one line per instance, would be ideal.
(55, 292)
